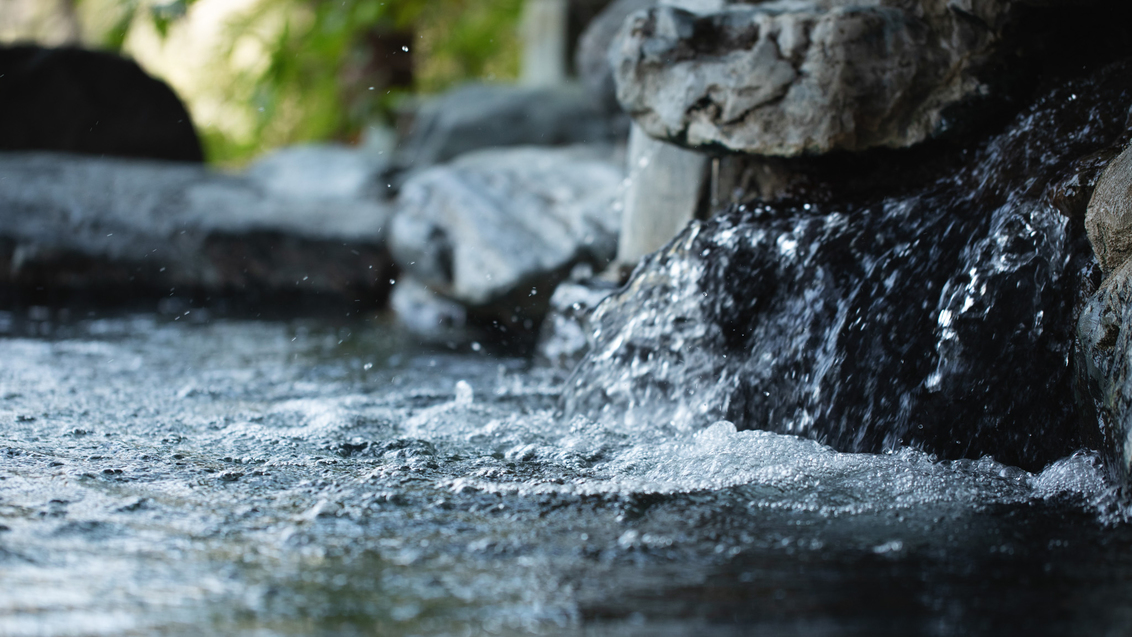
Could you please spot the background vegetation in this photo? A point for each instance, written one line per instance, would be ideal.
(258, 74)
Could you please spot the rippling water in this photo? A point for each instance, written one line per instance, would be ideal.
(263, 478)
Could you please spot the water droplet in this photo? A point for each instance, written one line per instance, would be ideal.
(464, 393)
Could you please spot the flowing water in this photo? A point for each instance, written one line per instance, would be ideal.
(283, 478)
(188, 475)
(940, 317)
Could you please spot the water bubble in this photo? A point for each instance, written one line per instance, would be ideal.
(464, 393)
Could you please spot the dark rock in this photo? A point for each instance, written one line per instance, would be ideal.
(1105, 322)
(941, 319)
(76, 229)
(90, 102)
(483, 116)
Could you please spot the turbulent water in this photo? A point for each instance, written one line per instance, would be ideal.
(260, 478)
(939, 318)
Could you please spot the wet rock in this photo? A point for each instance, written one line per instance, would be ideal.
(940, 318)
(1109, 216)
(1103, 331)
(792, 78)
(497, 229)
(424, 311)
(1105, 322)
(107, 230)
(68, 99)
(480, 116)
(563, 337)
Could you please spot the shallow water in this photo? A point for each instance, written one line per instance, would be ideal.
(284, 478)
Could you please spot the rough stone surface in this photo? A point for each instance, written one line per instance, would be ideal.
(504, 226)
(786, 78)
(110, 228)
(1109, 216)
(482, 116)
(72, 100)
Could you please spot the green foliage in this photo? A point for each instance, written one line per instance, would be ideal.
(323, 57)
(165, 14)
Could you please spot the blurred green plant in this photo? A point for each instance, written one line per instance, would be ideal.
(334, 66)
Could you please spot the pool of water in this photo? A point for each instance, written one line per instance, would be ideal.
(312, 477)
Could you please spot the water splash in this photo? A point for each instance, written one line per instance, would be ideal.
(939, 319)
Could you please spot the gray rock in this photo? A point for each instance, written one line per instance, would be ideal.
(424, 311)
(544, 26)
(563, 337)
(137, 227)
(591, 58)
(502, 227)
(790, 77)
(1108, 219)
(320, 171)
(666, 183)
(480, 116)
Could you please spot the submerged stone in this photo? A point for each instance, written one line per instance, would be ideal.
(940, 319)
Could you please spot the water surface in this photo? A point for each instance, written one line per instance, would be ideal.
(303, 477)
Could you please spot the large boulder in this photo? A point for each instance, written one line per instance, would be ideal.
(497, 229)
(72, 100)
(786, 78)
(480, 116)
(103, 230)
